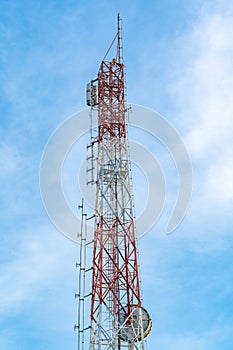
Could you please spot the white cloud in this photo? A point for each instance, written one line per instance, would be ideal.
(207, 84)
(214, 337)
(219, 180)
(205, 99)
(34, 266)
(10, 160)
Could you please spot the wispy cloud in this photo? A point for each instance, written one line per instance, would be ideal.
(33, 266)
(206, 87)
(10, 160)
(213, 337)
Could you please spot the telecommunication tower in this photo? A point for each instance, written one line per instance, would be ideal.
(117, 318)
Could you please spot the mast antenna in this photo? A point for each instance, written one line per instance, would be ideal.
(118, 38)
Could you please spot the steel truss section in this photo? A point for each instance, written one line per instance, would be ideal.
(115, 278)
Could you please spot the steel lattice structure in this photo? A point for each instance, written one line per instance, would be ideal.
(118, 319)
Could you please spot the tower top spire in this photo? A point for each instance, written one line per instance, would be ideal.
(118, 57)
(118, 38)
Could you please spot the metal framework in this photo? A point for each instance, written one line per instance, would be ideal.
(118, 319)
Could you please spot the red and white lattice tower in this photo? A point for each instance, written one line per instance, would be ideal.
(118, 319)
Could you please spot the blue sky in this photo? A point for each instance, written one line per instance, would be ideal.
(178, 57)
